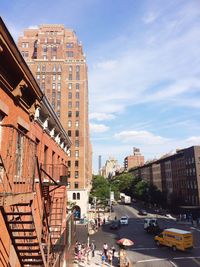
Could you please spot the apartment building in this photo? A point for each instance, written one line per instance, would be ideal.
(176, 175)
(33, 169)
(56, 59)
(134, 160)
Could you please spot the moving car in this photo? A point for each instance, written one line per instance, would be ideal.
(115, 225)
(175, 238)
(151, 226)
(124, 220)
(142, 212)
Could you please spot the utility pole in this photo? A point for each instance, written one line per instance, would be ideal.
(110, 203)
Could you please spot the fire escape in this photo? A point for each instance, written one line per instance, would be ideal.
(32, 201)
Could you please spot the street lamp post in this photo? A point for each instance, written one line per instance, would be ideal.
(110, 203)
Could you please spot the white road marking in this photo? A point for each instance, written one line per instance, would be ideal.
(135, 249)
(183, 258)
(155, 259)
(172, 263)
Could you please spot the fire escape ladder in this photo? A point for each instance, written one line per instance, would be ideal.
(56, 215)
(21, 228)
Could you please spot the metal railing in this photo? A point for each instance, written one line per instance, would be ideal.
(17, 161)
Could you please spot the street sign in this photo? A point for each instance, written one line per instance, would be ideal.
(112, 197)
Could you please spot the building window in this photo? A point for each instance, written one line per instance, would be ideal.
(70, 68)
(38, 68)
(69, 163)
(77, 133)
(77, 86)
(70, 104)
(77, 114)
(59, 77)
(74, 194)
(45, 57)
(77, 76)
(76, 153)
(59, 87)
(69, 124)
(69, 133)
(70, 95)
(44, 49)
(59, 68)
(68, 185)
(69, 86)
(43, 77)
(76, 163)
(54, 77)
(76, 174)
(69, 174)
(77, 143)
(53, 86)
(69, 45)
(58, 96)
(77, 104)
(76, 185)
(25, 53)
(69, 114)
(78, 195)
(38, 77)
(77, 95)
(24, 45)
(70, 53)
(43, 68)
(54, 68)
(58, 104)
(77, 68)
(77, 124)
(70, 76)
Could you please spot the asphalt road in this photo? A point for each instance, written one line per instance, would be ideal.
(144, 252)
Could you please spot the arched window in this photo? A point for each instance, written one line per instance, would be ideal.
(74, 195)
(78, 195)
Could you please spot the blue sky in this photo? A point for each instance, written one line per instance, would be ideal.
(144, 68)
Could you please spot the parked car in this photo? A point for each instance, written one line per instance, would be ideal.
(124, 220)
(115, 225)
(142, 212)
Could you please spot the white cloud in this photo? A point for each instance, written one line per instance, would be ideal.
(140, 137)
(33, 27)
(149, 18)
(144, 71)
(98, 128)
(101, 116)
(193, 140)
(107, 65)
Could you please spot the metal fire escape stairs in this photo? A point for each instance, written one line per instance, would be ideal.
(18, 214)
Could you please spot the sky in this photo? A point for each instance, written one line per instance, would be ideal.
(143, 58)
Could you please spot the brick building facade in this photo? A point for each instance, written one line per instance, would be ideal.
(56, 59)
(177, 176)
(35, 228)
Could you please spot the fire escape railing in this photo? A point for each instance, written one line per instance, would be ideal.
(17, 161)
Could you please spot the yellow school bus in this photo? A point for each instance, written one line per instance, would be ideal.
(175, 238)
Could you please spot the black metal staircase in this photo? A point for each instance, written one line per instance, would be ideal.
(21, 228)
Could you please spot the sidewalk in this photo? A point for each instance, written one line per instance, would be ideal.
(96, 261)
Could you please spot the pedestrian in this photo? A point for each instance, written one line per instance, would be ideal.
(115, 218)
(104, 220)
(110, 256)
(93, 247)
(103, 258)
(105, 248)
(113, 250)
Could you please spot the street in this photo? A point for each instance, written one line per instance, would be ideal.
(144, 252)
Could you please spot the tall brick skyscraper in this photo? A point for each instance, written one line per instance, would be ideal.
(56, 59)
